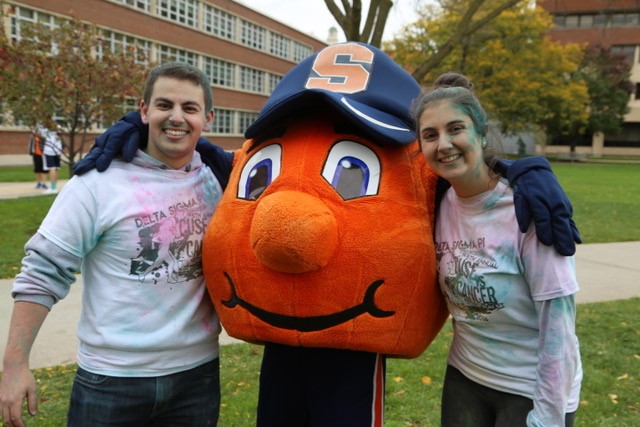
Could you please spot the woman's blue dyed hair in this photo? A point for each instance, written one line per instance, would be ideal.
(457, 89)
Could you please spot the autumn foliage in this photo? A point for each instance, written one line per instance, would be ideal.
(67, 78)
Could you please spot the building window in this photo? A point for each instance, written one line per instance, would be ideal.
(600, 21)
(252, 35)
(300, 52)
(273, 82)
(128, 105)
(223, 122)
(280, 45)
(251, 79)
(24, 17)
(219, 23)
(617, 20)
(181, 11)
(137, 4)
(586, 21)
(119, 43)
(221, 73)
(571, 21)
(169, 54)
(629, 19)
(632, 19)
(245, 119)
(627, 51)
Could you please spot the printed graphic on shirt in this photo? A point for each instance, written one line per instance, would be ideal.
(170, 243)
(461, 264)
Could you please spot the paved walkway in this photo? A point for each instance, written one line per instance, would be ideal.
(606, 271)
(12, 190)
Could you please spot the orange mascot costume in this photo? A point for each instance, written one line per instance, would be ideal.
(322, 245)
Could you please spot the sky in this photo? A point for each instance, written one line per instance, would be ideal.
(313, 17)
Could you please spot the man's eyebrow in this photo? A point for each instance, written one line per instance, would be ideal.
(162, 99)
(167, 100)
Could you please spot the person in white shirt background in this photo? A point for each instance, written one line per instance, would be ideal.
(51, 154)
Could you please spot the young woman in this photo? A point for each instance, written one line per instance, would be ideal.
(514, 359)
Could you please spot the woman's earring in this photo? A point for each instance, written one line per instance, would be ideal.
(484, 143)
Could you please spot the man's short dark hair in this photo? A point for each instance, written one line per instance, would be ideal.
(180, 71)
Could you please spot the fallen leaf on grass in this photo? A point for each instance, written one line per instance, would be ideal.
(614, 398)
(398, 379)
(623, 377)
(426, 380)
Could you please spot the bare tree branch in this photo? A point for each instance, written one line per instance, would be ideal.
(465, 28)
(350, 20)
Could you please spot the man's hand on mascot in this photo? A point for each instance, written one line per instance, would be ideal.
(538, 196)
(124, 138)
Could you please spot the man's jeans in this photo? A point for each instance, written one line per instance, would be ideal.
(189, 398)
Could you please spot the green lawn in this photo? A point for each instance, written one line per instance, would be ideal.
(25, 173)
(606, 200)
(610, 344)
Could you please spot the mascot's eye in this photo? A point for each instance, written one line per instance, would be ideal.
(352, 169)
(259, 171)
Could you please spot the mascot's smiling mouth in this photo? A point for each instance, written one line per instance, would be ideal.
(311, 323)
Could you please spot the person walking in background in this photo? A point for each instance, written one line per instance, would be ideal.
(52, 150)
(148, 331)
(514, 359)
(36, 143)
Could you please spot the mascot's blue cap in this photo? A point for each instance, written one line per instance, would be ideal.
(359, 81)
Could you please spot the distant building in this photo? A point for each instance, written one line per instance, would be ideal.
(332, 38)
(244, 53)
(613, 24)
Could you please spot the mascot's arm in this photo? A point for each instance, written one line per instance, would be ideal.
(129, 134)
(538, 196)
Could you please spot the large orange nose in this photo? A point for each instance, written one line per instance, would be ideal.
(303, 242)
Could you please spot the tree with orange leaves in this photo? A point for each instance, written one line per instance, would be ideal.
(65, 77)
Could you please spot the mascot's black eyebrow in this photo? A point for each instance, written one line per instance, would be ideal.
(278, 132)
(349, 129)
(272, 133)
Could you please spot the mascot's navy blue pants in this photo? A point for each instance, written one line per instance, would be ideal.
(320, 387)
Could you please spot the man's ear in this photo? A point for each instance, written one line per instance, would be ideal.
(143, 112)
(209, 121)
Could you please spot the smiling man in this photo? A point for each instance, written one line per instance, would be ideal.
(148, 332)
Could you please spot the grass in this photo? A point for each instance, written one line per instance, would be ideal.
(606, 202)
(610, 344)
(605, 199)
(25, 173)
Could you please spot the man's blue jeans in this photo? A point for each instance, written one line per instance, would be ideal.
(189, 398)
